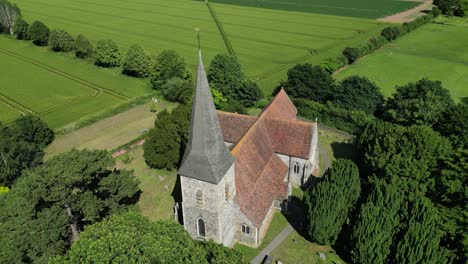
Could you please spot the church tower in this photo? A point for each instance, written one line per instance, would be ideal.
(207, 171)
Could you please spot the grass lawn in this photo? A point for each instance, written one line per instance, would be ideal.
(438, 51)
(333, 145)
(355, 8)
(267, 42)
(156, 201)
(58, 87)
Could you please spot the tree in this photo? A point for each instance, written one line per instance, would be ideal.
(39, 33)
(8, 14)
(391, 33)
(137, 63)
(107, 54)
(83, 48)
(21, 28)
(452, 7)
(218, 98)
(377, 224)
(168, 64)
(166, 141)
(54, 201)
(309, 82)
(234, 107)
(421, 240)
(61, 41)
(248, 93)
(131, 238)
(330, 201)
(420, 103)
(352, 54)
(33, 130)
(453, 124)
(358, 93)
(225, 74)
(178, 90)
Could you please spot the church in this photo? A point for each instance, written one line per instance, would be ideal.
(238, 169)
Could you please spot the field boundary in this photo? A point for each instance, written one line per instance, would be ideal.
(223, 34)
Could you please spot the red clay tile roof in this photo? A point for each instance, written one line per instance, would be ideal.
(234, 126)
(280, 107)
(290, 138)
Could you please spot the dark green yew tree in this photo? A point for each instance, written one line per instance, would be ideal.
(453, 124)
(358, 93)
(32, 129)
(330, 200)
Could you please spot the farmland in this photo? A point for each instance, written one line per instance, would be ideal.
(267, 42)
(437, 51)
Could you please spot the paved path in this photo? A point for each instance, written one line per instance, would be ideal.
(273, 244)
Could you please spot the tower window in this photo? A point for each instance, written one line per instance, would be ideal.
(245, 229)
(296, 168)
(199, 198)
(201, 227)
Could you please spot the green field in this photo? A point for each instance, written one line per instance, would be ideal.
(354, 8)
(438, 51)
(57, 87)
(267, 42)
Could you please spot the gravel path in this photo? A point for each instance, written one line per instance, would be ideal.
(273, 244)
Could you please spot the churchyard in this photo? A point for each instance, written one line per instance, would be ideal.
(429, 52)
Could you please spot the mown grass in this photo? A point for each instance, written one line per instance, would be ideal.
(437, 51)
(267, 42)
(355, 8)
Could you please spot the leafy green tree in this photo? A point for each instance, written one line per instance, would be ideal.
(234, 107)
(453, 124)
(107, 54)
(391, 33)
(420, 103)
(421, 240)
(218, 98)
(21, 28)
(137, 63)
(168, 64)
(309, 82)
(216, 253)
(248, 93)
(33, 130)
(178, 90)
(8, 14)
(358, 93)
(4, 189)
(39, 33)
(352, 54)
(377, 224)
(61, 41)
(225, 74)
(452, 7)
(83, 48)
(330, 201)
(46, 209)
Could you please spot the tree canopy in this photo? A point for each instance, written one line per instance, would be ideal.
(453, 124)
(168, 65)
(225, 74)
(137, 62)
(39, 33)
(60, 40)
(107, 54)
(21, 28)
(8, 14)
(178, 90)
(83, 47)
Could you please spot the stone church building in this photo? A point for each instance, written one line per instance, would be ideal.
(238, 169)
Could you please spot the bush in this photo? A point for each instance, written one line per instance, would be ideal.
(83, 47)
(391, 33)
(137, 63)
(168, 64)
(333, 64)
(61, 41)
(21, 28)
(178, 90)
(352, 54)
(107, 54)
(39, 33)
(436, 11)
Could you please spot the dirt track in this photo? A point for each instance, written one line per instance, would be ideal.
(408, 15)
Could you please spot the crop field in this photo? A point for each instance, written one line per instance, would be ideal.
(355, 8)
(267, 42)
(438, 50)
(56, 87)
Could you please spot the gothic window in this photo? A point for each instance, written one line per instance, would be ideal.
(201, 227)
(296, 168)
(245, 229)
(199, 198)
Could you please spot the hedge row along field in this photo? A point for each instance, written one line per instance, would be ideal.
(429, 51)
(56, 87)
(355, 8)
(267, 42)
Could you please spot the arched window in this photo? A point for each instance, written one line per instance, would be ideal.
(296, 168)
(201, 227)
(245, 229)
(199, 198)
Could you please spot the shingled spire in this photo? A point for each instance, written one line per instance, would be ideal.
(206, 157)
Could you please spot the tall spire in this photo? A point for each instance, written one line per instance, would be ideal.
(206, 157)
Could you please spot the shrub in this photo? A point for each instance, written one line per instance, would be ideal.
(137, 63)
(21, 28)
(168, 64)
(352, 54)
(436, 11)
(333, 64)
(39, 33)
(83, 47)
(107, 54)
(61, 41)
(390, 33)
(178, 90)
